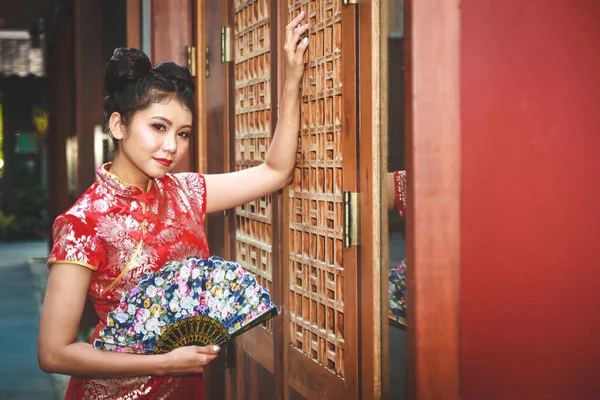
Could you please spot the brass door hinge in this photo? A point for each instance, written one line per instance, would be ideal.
(207, 62)
(351, 219)
(191, 59)
(225, 44)
(347, 2)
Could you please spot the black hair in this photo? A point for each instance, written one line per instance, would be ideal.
(133, 85)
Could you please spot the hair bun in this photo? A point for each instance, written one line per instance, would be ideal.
(125, 64)
(178, 74)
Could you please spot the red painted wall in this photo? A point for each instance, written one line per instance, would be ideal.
(530, 242)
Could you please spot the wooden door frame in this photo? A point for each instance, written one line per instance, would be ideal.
(170, 34)
(373, 277)
(134, 21)
(211, 144)
(61, 125)
(432, 108)
(88, 88)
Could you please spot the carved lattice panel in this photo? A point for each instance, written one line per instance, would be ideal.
(253, 132)
(316, 274)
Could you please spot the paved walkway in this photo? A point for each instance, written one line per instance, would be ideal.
(20, 375)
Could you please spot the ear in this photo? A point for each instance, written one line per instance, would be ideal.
(117, 129)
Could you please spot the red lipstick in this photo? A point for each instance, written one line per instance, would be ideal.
(163, 161)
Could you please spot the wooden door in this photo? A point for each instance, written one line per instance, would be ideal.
(253, 117)
(321, 281)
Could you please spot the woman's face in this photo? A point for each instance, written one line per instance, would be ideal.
(156, 139)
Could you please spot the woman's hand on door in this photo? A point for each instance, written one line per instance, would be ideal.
(294, 49)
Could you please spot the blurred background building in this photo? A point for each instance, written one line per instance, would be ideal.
(47, 95)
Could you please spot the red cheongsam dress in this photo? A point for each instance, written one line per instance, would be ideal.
(121, 232)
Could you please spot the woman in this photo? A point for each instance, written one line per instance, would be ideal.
(137, 216)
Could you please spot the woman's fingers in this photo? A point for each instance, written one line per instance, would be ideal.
(295, 48)
(289, 29)
(293, 43)
(299, 56)
(209, 350)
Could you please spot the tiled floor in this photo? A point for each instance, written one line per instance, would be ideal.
(20, 376)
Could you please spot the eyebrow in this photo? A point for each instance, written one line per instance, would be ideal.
(169, 122)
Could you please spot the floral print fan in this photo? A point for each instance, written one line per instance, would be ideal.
(397, 295)
(194, 302)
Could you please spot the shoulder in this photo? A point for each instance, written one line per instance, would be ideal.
(82, 211)
(186, 179)
(192, 183)
(75, 242)
(188, 185)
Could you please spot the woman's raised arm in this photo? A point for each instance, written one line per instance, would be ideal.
(225, 191)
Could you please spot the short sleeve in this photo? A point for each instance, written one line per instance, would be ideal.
(194, 185)
(400, 189)
(75, 243)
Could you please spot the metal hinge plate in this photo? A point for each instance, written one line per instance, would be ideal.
(351, 219)
(347, 2)
(191, 59)
(207, 62)
(225, 44)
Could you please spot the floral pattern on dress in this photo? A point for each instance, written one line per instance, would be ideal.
(400, 191)
(182, 250)
(78, 243)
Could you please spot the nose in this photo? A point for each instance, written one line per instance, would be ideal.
(170, 144)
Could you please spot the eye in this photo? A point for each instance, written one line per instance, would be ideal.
(184, 134)
(159, 127)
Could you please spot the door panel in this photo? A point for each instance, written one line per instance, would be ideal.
(321, 345)
(255, 382)
(252, 130)
(252, 126)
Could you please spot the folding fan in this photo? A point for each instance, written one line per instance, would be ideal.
(397, 295)
(194, 302)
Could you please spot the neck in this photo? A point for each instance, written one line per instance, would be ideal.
(129, 173)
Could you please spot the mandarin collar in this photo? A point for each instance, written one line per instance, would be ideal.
(112, 181)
